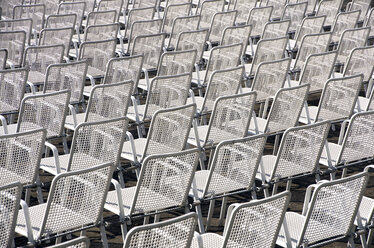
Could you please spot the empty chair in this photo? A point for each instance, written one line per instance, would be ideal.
(106, 102)
(57, 36)
(181, 24)
(220, 21)
(101, 17)
(77, 8)
(3, 58)
(117, 5)
(258, 17)
(138, 14)
(243, 7)
(343, 21)
(86, 193)
(18, 25)
(194, 40)
(14, 42)
(61, 21)
(34, 11)
(278, 7)
(369, 22)
(81, 242)
(236, 34)
(328, 213)
(329, 8)
(253, 224)
(142, 3)
(362, 5)
(10, 196)
(312, 7)
(207, 11)
(337, 101)
(295, 12)
(284, 112)
(233, 168)
(101, 32)
(176, 232)
(172, 12)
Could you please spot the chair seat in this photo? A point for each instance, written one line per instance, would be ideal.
(142, 84)
(35, 77)
(8, 177)
(69, 121)
(199, 102)
(6, 108)
(334, 153)
(12, 128)
(195, 78)
(94, 72)
(295, 223)
(363, 102)
(87, 90)
(365, 210)
(212, 240)
(268, 162)
(139, 147)
(312, 115)
(261, 123)
(131, 112)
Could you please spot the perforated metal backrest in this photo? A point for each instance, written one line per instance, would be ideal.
(151, 47)
(170, 2)
(294, 12)
(61, 21)
(343, 21)
(124, 69)
(278, 7)
(38, 58)
(258, 17)
(276, 29)
(270, 77)
(164, 181)
(17, 25)
(177, 62)
(182, 24)
(312, 6)
(7, 8)
(101, 32)
(300, 150)
(223, 57)
(370, 21)
(230, 117)
(177, 232)
(10, 196)
(109, 101)
(81, 242)
(169, 130)
(142, 28)
(222, 83)
(78, 205)
(117, 5)
(286, 108)
(145, 3)
(98, 53)
(268, 50)
(317, 70)
(207, 11)
(44, 111)
(139, 14)
(172, 12)
(220, 21)
(167, 92)
(339, 98)
(362, 5)
(329, 8)
(77, 8)
(311, 44)
(12, 89)
(57, 36)
(98, 142)
(333, 208)
(234, 165)
(193, 40)
(246, 225)
(3, 58)
(360, 60)
(236, 34)
(14, 42)
(71, 76)
(309, 25)
(243, 7)
(101, 17)
(34, 11)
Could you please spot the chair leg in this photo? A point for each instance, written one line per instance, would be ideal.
(121, 179)
(223, 211)
(275, 188)
(253, 192)
(104, 238)
(200, 218)
(351, 243)
(157, 218)
(202, 160)
(39, 192)
(370, 237)
(27, 195)
(363, 240)
(65, 144)
(210, 213)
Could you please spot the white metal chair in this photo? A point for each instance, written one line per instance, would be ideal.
(57, 36)
(61, 21)
(193, 40)
(220, 21)
(295, 12)
(14, 42)
(117, 5)
(278, 7)
(362, 5)
(330, 9)
(343, 21)
(258, 17)
(172, 12)
(369, 22)
(34, 11)
(18, 25)
(179, 25)
(243, 7)
(207, 11)
(78, 8)
(138, 14)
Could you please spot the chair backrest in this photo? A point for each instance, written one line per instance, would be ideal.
(182, 24)
(370, 22)
(311, 44)
(98, 142)
(234, 165)
(270, 77)
(295, 12)
(220, 21)
(124, 69)
(362, 5)
(258, 17)
(57, 36)
(167, 92)
(98, 53)
(339, 98)
(236, 34)
(139, 14)
(177, 62)
(142, 28)
(116, 5)
(312, 7)
(317, 70)
(224, 82)
(329, 8)
(300, 150)
(177, 232)
(268, 50)
(170, 2)
(108, 101)
(12, 89)
(172, 12)
(61, 21)
(101, 17)
(243, 7)
(332, 208)
(14, 42)
(358, 140)
(21, 154)
(247, 222)
(164, 181)
(145, 3)
(207, 11)
(343, 21)
(10, 197)
(193, 40)
(38, 58)
(169, 130)
(286, 108)
(78, 205)
(230, 118)
(77, 8)
(34, 11)
(71, 76)
(360, 60)
(151, 46)
(309, 25)
(3, 58)
(101, 32)
(278, 7)
(17, 25)
(276, 29)
(44, 111)
(81, 242)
